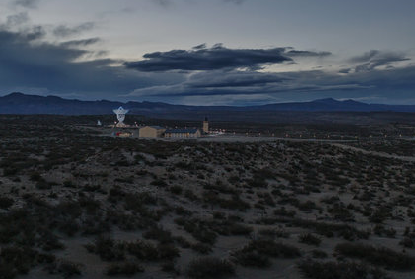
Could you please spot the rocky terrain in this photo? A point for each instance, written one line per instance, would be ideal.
(77, 203)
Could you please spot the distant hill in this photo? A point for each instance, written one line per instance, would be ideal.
(19, 103)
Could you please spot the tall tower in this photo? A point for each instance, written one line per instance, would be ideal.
(206, 126)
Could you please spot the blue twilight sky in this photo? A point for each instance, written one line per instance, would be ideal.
(216, 52)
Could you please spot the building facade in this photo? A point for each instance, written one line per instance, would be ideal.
(151, 132)
(182, 133)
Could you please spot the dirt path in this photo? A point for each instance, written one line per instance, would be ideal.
(337, 143)
(375, 153)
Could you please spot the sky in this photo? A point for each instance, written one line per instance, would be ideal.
(216, 52)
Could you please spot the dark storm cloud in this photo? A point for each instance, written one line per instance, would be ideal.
(26, 64)
(27, 3)
(201, 46)
(345, 71)
(220, 79)
(85, 42)
(16, 20)
(303, 53)
(217, 57)
(66, 31)
(219, 82)
(376, 58)
(248, 84)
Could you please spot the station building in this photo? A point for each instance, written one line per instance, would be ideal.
(151, 132)
(182, 133)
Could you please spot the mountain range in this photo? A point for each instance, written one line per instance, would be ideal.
(19, 103)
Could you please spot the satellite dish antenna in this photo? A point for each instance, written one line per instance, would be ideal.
(120, 113)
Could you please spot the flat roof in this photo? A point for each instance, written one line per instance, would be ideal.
(155, 127)
(181, 131)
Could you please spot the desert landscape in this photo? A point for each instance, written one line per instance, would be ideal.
(221, 139)
(78, 203)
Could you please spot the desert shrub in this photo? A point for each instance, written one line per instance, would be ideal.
(9, 171)
(122, 163)
(219, 215)
(6, 202)
(257, 182)
(180, 210)
(68, 269)
(43, 185)
(220, 187)
(91, 188)
(48, 241)
(16, 260)
(126, 221)
(202, 248)
(274, 249)
(209, 268)
(273, 233)
(68, 227)
(265, 173)
(380, 215)
(381, 230)
(177, 190)
(136, 202)
(68, 208)
(125, 268)
(7, 271)
(234, 179)
(203, 234)
(158, 233)
(139, 157)
(341, 213)
(90, 204)
(407, 242)
(94, 226)
(69, 184)
(333, 270)
(169, 266)
(167, 251)
(310, 239)
(247, 257)
(256, 252)
(143, 250)
(190, 195)
(319, 254)
(283, 212)
(45, 258)
(116, 192)
(128, 180)
(159, 183)
(183, 165)
(107, 249)
(379, 256)
(328, 229)
(307, 206)
(235, 203)
(239, 229)
(35, 176)
(199, 229)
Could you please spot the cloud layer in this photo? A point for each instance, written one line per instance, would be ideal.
(68, 66)
(32, 65)
(217, 57)
(213, 78)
